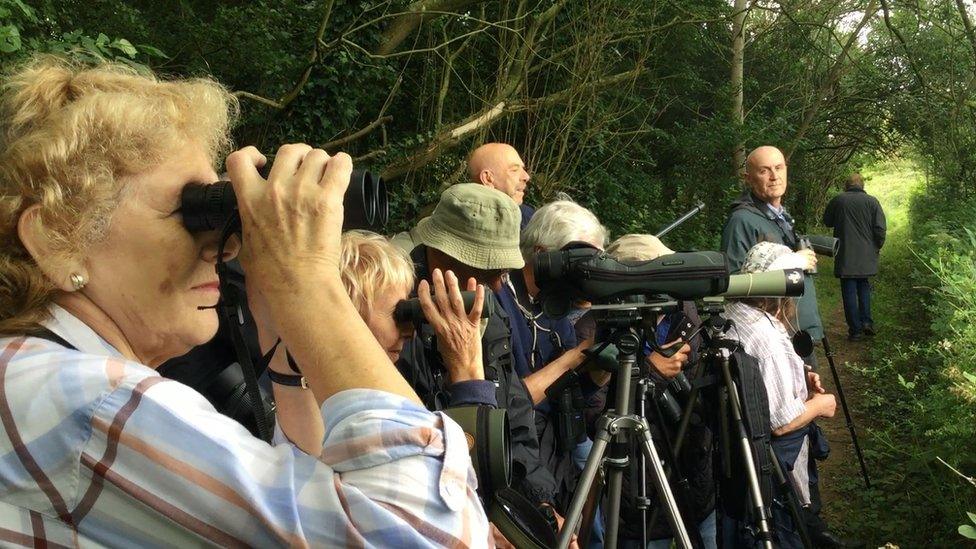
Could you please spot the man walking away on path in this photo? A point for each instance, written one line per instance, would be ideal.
(859, 222)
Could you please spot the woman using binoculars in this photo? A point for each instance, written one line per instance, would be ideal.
(100, 283)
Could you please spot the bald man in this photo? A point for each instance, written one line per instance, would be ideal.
(758, 215)
(499, 166)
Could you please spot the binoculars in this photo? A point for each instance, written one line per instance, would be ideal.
(210, 207)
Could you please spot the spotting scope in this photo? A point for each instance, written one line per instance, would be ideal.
(589, 274)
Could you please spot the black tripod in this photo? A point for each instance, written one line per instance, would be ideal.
(716, 361)
(619, 424)
(829, 353)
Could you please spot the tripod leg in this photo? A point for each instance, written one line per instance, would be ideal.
(847, 412)
(615, 480)
(664, 491)
(787, 490)
(590, 509)
(757, 500)
(583, 488)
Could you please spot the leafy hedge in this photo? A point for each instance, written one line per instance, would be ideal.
(922, 383)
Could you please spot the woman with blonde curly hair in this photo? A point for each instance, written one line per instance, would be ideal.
(100, 283)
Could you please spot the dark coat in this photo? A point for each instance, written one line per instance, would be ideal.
(859, 222)
(534, 344)
(421, 366)
(751, 222)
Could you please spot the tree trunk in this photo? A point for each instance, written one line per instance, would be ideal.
(739, 12)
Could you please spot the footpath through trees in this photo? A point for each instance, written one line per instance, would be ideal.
(906, 505)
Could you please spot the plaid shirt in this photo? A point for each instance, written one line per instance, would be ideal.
(101, 451)
(763, 337)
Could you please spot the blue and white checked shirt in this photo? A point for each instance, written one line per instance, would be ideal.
(765, 338)
(101, 451)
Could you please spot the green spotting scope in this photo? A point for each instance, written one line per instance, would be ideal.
(586, 273)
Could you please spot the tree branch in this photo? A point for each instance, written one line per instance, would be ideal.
(313, 57)
(416, 14)
(833, 75)
(450, 137)
(357, 134)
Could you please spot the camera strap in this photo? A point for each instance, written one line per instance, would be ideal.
(44, 333)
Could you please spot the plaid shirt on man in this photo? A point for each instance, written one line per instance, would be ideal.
(763, 337)
(101, 451)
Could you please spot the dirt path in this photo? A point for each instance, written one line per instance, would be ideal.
(840, 472)
(842, 486)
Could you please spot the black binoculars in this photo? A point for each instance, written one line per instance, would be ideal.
(210, 207)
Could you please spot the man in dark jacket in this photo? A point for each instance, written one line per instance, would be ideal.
(859, 222)
(473, 232)
(757, 216)
(547, 353)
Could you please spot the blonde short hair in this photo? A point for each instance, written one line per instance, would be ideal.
(637, 247)
(70, 136)
(371, 264)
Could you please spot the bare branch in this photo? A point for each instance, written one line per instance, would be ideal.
(313, 57)
(357, 134)
(416, 14)
(833, 75)
(450, 137)
(970, 480)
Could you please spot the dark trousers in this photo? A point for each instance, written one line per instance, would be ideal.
(856, 293)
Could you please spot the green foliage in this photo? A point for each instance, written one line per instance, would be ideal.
(969, 530)
(638, 152)
(25, 30)
(920, 396)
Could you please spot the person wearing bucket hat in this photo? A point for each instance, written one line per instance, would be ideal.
(474, 232)
(473, 225)
(763, 327)
(759, 215)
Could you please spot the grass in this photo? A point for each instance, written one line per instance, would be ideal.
(914, 501)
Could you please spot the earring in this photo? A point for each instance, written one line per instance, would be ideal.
(78, 281)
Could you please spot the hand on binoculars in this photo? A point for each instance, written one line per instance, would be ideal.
(291, 222)
(671, 366)
(811, 258)
(458, 333)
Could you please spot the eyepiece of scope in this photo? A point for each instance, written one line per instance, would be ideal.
(785, 283)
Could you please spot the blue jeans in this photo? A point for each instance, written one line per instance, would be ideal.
(856, 293)
(580, 453)
(706, 528)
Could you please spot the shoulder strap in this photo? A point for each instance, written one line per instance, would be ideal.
(44, 333)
